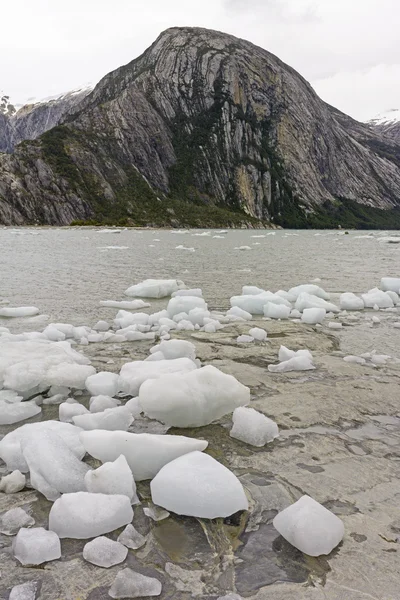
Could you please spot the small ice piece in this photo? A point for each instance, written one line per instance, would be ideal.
(155, 288)
(390, 284)
(67, 410)
(276, 311)
(12, 483)
(196, 485)
(56, 399)
(125, 304)
(36, 546)
(146, 453)
(235, 311)
(309, 288)
(10, 396)
(12, 521)
(244, 339)
(181, 247)
(21, 311)
(395, 297)
(24, 591)
(192, 399)
(335, 325)
(308, 301)
(255, 304)
(101, 326)
(377, 298)
(243, 248)
(375, 319)
(19, 411)
(295, 314)
(298, 363)
(83, 515)
(112, 478)
(230, 596)
(286, 354)
(252, 427)
(184, 304)
(133, 374)
(349, 301)
(156, 513)
(258, 334)
(354, 359)
(131, 538)
(193, 292)
(310, 527)
(103, 383)
(172, 349)
(54, 468)
(130, 584)
(53, 334)
(104, 552)
(311, 316)
(100, 403)
(111, 419)
(380, 359)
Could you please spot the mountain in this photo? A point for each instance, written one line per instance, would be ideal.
(204, 129)
(388, 124)
(30, 121)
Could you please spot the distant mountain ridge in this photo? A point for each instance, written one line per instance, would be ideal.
(388, 124)
(203, 128)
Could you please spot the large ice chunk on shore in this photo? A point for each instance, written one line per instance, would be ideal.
(103, 383)
(104, 552)
(84, 515)
(101, 402)
(112, 478)
(155, 288)
(377, 297)
(252, 427)
(68, 410)
(13, 413)
(312, 316)
(36, 546)
(184, 304)
(146, 453)
(297, 363)
(111, 419)
(20, 311)
(10, 445)
(54, 468)
(349, 301)
(192, 399)
(309, 288)
(276, 311)
(69, 375)
(175, 349)
(254, 304)
(258, 334)
(391, 284)
(196, 485)
(239, 313)
(286, 354)
(133, 374)
(130, 584)
(310, 527)
(308, 301)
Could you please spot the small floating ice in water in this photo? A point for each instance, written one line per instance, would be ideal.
(390, 284)
(243, 248)
(197, 485)
(252, 427)
(125, 304)
(36, 546)
(21, 311)
(184, 248)
(155, 288)
(129, 584)
(104, 552)
(310, 527)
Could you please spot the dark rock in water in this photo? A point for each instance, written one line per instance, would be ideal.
(203, 128)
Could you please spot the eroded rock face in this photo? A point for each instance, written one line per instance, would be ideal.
(201, 116)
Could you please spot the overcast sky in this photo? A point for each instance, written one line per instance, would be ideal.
(349, 50)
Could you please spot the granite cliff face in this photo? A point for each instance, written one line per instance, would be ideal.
(201, 124)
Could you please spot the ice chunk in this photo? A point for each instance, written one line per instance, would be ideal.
(112, 478)
(311, 316)
(375, 319)
(193, 292)
(231, 596)
(235, 311)
(68, 410)
(12, 521)
(53, 334)
(24, 591)
(184, 304)
(298, 363)
(21, 311)
(134, 406)
(129, 584)
(391, 284)
(192, 399)
(131, 538)
(254, 304)
(101, 326)
(10, 396)
(251, 290)
(349, 301)
(354, 359)
(286, 354)
(103, 383)
(197, 485)
(19, 411)
(104, 552)
(310, 527)
(395, 297)
(156, 513)
(146, 453)
(12, 483)
(111, 419)
(253, 427)
(125, 304)
(244, 339)
(175, 349)
(36, 546)
(100, 403)
(69, 375)
(126, 319)
(133, 374)
(276, 311)
(155, 288)
(309, 288)
(84, 515)
(258, 334)
(243, 248)
(10, 445)
(54, 468)
(377, 297)
(335, 325)
(308, 301)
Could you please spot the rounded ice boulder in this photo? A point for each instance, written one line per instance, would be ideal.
(36, 546)
(192, 399)
(252, 427)
(196, 485)
(310, 527)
